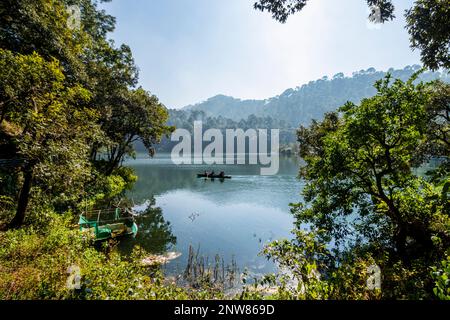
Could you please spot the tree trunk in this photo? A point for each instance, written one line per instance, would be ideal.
(24, 197)
(400, 242)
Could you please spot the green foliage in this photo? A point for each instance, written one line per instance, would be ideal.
(427, 24)
(44, 119)
(69, 110)
(441, 276)
(380, 10)
(28, 26)
(363, 160)
(300, 262)
(69, 115)
(280, 9)
(295, 106)
(139, 117)
(365, 196)
(34, 264)
(45, 123)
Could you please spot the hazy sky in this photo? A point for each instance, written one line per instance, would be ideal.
(190, 50)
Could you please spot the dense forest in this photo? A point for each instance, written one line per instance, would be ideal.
(300, 105)
(375, 170)
(294, 107)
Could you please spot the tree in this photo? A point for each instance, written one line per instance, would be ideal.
(427, 24)
(380, 10)
(280, 9)
(126, 114)
(48, 63)
(41, 118)
(41, 26)
(138, 117)
(363, 192)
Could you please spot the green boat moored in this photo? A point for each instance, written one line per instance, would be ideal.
(107, 224)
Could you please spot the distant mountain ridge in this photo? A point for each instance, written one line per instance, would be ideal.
(289, 110)
(226, 106)
(311, 100)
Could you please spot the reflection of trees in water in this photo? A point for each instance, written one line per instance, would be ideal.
(154, 234)
(159, 179)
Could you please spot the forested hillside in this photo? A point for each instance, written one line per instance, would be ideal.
(309, 101)
(292, 108)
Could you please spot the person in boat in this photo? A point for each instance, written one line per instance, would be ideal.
(211, 175)
(206, 173)
(221, 174)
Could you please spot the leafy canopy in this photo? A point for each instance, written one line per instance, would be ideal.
(365, 195)
(68, 98)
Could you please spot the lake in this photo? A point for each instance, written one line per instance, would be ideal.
(234, 218)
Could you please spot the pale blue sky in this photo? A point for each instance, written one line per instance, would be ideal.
(190, 50)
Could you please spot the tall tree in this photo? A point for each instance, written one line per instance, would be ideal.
(380, 10)
(139, 117)
(70, 58)
(42, 119)
(363, 190)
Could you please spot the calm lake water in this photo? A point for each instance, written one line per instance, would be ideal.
(234, 218)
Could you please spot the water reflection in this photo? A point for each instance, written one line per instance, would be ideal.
(233, 218)
(155, 233)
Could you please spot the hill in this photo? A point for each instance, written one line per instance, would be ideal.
(310, 101)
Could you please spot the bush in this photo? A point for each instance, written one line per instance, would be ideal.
(40, 263)
(441, 276)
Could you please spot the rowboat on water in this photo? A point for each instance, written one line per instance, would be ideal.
(215, 176)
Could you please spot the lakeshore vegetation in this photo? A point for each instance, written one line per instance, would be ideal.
(376, 171)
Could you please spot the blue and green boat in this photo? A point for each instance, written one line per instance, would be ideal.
(108, 224)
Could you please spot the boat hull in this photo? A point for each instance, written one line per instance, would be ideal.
(101, 231)
(202, 175)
